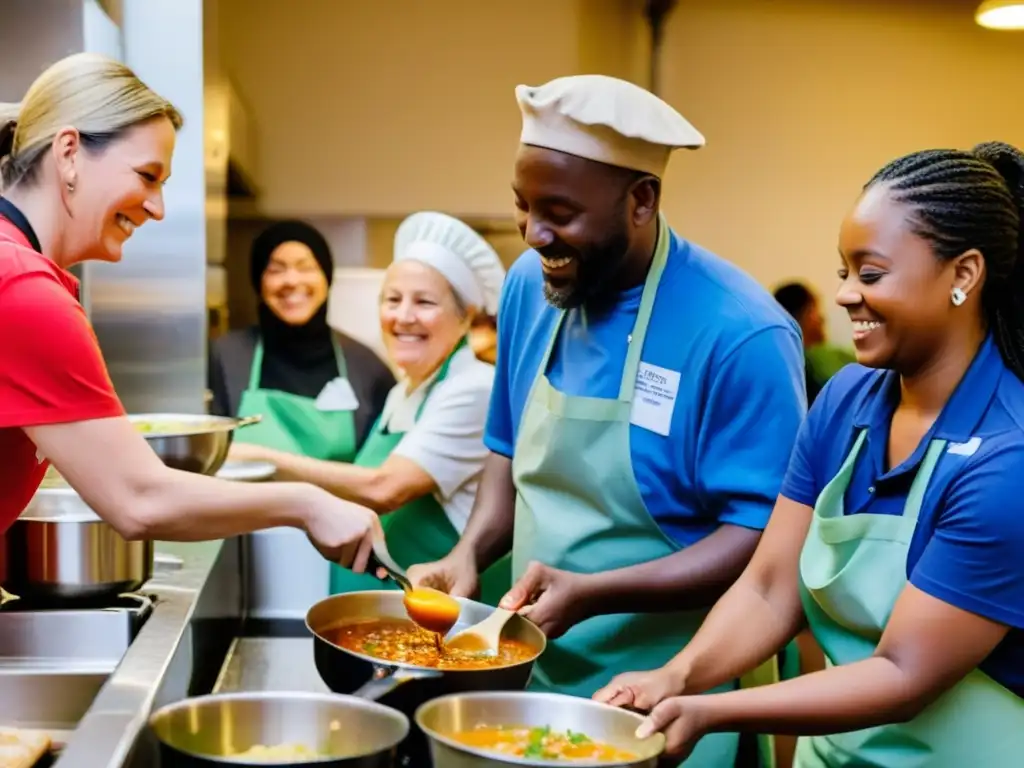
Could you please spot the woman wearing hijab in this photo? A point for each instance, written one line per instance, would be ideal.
(318, 391)
(421, 464)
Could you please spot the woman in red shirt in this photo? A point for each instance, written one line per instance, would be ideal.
(83, 161)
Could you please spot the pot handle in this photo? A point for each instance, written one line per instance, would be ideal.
(247, 420)
(386, 679)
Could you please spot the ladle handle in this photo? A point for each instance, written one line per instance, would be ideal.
(373, 564)
(387, 679)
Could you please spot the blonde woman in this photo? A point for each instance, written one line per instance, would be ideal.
(421, 464)
(83, 161)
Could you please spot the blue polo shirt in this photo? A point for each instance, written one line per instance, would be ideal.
(968, 547)
(740, 396)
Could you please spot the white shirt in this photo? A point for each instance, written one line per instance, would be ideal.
(447, 442)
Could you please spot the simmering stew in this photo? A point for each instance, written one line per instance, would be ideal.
(402, 641)
(540, 744)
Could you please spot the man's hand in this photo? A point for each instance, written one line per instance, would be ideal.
(554, 600)
(454, 574)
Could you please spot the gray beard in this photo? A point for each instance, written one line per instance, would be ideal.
(561, 299)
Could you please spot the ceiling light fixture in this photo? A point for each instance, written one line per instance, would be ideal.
(1000, 14)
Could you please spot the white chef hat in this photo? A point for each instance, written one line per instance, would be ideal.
(605, 119)
(453, 248)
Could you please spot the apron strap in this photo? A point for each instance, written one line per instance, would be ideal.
(339, 356)
(442, 374)
(915, 498)
(256, 367)
(643, 317)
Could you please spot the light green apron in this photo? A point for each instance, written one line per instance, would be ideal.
(852, 569)
(578, 508)
(420, 531)
(293, 423)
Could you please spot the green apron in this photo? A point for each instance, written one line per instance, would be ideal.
(420, 531)
(852, 569)
(293, 423)
(578, 508)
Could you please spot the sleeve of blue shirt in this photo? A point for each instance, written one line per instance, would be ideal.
(973, 559)
(754, 408)
(499, 435)
(804, 480)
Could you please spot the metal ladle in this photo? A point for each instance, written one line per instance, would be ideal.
(422, 616)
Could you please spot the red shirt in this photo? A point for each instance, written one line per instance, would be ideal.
(51, 369)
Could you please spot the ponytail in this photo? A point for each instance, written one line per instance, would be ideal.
(1006, 305)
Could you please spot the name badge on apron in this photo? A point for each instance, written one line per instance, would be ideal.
(338, 395)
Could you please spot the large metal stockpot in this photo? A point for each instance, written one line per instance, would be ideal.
(59, 550)
(205, 731)
(439, 718)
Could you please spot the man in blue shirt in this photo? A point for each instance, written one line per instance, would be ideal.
(646, 399)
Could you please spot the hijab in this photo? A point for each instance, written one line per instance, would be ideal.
(296, 359)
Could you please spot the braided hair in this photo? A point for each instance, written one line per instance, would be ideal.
(972, 200)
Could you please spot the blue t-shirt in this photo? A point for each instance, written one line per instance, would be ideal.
(741, 392)
(968, 547)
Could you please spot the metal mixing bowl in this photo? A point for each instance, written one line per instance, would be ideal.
(464, 711)
(348, 732)
(189, 441)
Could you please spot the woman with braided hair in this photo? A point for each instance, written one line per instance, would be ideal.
(898, 537)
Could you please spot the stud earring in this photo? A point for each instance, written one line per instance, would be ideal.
(958, 296)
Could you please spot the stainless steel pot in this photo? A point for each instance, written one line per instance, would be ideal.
(60, 550)
(443, 716)
(189, 441)
(348, 732)
(405, 686)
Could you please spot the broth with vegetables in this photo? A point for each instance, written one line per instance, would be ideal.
(401, 641)
(540, 744)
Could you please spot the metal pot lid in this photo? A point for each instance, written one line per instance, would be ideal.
(59, 503)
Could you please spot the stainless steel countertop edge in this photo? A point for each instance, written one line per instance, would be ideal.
(109, 730)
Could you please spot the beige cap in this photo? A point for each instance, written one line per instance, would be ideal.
(467, 261)
(605, 119)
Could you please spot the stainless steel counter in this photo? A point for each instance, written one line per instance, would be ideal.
(164, 663)
(270, 664)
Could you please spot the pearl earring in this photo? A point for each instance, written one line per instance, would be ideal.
(71, 187)
(958, 296)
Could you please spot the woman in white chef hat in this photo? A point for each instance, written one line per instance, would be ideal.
(420, 465)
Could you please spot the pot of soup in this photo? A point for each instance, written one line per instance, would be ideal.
(488, 730)
(281, 729)
(366, 645)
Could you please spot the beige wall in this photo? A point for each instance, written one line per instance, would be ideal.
(802, 101)
(387, 107)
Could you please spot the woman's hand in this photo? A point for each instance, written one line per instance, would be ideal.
(682, 719)
(248, 452)
(341, 531)
(642, 690)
